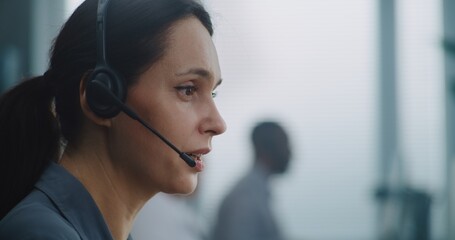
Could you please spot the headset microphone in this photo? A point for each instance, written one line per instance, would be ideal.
(106, 90)
(103, 93)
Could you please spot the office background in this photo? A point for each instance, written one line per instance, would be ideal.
(362, 86)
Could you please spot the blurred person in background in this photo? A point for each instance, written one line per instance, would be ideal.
(245, 213)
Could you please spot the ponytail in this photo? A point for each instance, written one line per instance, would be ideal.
(29, 139)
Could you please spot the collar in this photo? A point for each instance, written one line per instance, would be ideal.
(74, 202)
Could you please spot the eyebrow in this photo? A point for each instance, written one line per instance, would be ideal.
(200, 72)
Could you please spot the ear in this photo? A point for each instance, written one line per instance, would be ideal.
(86, 108)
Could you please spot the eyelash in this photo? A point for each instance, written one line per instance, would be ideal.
(187, 90)
(190, 90)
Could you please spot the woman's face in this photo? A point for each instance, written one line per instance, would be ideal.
(175, 97)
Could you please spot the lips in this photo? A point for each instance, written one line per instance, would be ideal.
(197, 157)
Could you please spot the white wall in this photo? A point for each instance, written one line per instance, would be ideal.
(421, 100)
(311, 65)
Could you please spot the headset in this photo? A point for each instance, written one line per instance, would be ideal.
(106, 90)
(103, 74)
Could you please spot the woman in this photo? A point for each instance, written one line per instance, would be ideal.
(72, 171)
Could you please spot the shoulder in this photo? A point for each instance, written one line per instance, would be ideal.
(32, 219)
(244, 192)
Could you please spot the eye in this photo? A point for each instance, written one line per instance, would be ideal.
(187, 90)
(214, 94)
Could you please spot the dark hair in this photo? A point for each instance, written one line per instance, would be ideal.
(31, 128)
(262, 135)
(271, 144)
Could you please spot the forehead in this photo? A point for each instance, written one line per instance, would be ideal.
(189, 45)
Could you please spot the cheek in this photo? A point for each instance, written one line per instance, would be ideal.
(178, 124)
(133, 148)
(147, 161)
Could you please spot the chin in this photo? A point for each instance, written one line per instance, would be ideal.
(185, 186)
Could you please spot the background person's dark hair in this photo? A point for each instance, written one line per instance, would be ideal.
(30, 133)
(271, 146)
(262, 135)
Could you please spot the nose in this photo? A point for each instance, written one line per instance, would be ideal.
(214, 123)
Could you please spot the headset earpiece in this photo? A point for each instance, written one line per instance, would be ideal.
(99, 102)
(103, 78)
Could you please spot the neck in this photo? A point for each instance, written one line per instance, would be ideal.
(261, 166)
(118, 199)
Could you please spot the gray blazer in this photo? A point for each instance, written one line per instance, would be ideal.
(58, 208)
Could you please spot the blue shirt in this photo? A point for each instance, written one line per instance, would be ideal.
(58, 208)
